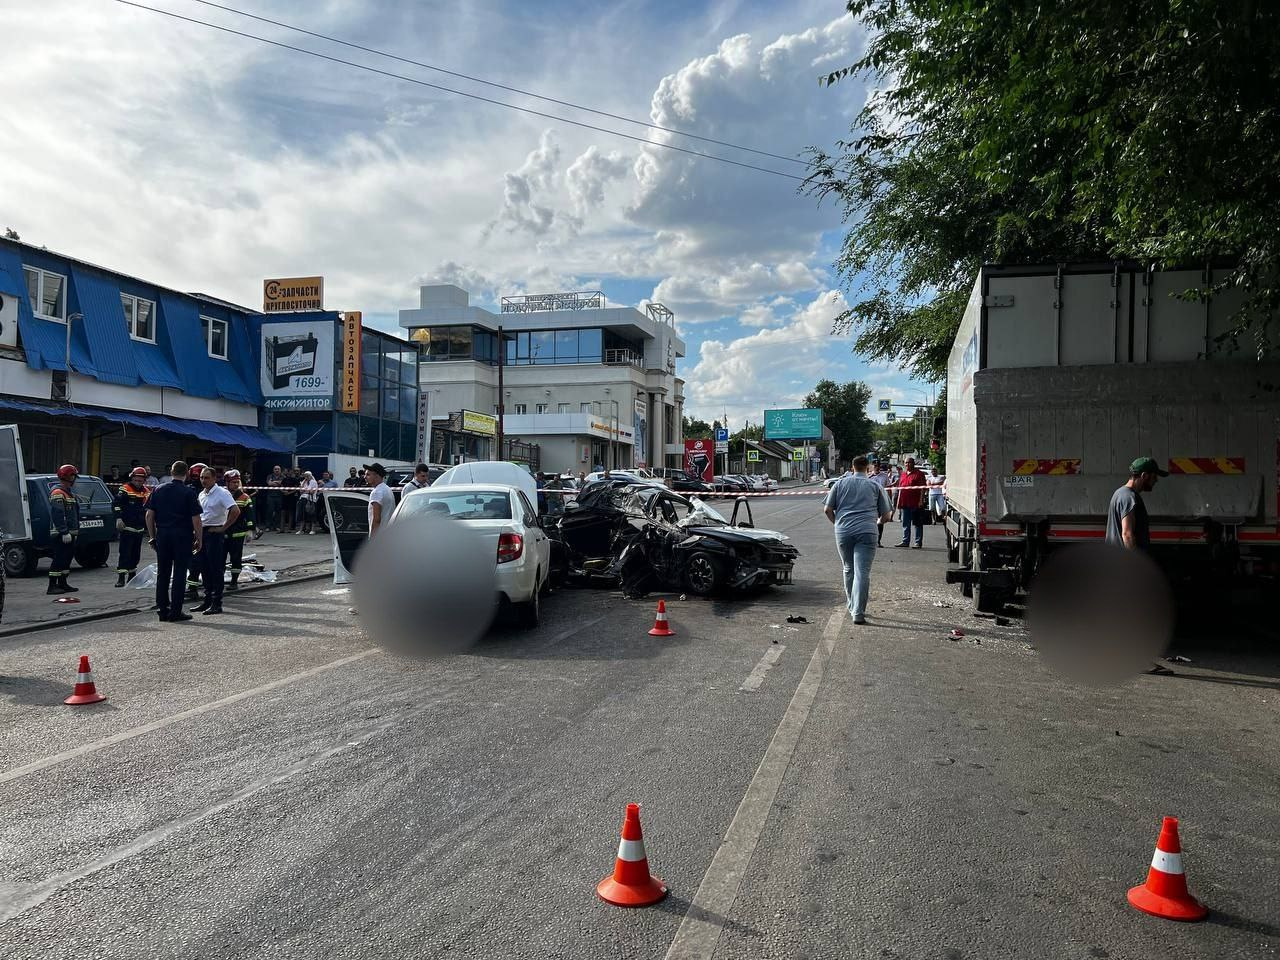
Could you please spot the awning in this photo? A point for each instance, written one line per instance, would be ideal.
(229, 434)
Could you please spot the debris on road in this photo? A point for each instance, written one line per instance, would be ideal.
(956, 634)
(940, 603)
(1178, 658)
(794, 619)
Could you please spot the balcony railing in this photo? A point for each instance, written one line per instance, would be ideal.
(623, 358)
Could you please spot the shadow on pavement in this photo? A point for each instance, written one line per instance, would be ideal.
(1224, 919)
(41, 692)
(681, 907)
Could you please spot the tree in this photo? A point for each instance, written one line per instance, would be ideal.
(895, 438)
(844, 410)
(11, 234)
(1020, 132)
(695, 428)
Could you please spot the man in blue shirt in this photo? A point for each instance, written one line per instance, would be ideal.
(855, 506)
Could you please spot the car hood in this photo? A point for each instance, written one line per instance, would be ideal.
(737, 533)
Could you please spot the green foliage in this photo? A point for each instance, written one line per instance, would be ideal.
(1018, 132)
(897, 437)
(695, 429)
(844, 411)
(751, 431)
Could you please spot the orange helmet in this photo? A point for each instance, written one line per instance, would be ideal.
(138, 472)
(67, 472)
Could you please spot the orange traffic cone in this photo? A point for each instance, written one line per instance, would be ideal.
(85, 691)
(631, 884)
(660, 626)
(1165, 892)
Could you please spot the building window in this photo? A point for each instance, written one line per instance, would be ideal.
(562, 408)
(215, 336)
(456, 343)
(47, 293)
(542, 408)
(521, 409)
(584, 408)
(139, 317)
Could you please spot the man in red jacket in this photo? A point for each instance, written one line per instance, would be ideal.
(912, 497)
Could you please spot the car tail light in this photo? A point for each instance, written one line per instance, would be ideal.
(510, 547)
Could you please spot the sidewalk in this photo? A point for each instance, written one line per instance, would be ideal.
(27, 604)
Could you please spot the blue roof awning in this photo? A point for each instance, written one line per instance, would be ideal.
(229, 434)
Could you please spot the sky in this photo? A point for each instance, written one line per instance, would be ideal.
(207, 161)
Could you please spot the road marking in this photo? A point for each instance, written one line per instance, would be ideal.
(708, 912)
(566, 634)
(146, 728)
(756, 676)
(22, 899)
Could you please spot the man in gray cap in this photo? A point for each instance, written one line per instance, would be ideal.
(1127, 524)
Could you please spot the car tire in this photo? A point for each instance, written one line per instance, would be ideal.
(20, 560)
(531, 611)
(702, 574)
(93, 556)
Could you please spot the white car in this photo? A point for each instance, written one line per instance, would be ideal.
(504, 516)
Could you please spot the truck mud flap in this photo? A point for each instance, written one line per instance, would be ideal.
(995, 579)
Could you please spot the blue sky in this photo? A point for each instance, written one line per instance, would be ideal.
(208, 162)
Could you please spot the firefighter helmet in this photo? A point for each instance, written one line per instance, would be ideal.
(199, 468)
(138, 472)
(231, 475)
(67, 472)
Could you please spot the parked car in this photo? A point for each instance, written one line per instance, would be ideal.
(650, 538)
(687, 484)
(97, 526)
(504, 516)
(632, 476)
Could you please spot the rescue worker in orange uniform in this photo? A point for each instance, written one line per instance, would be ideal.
(64, 527)
(130, 508)
(241, 529)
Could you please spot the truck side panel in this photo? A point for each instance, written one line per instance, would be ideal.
(962, 416)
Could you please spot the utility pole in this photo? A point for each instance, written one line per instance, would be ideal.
(502, 397)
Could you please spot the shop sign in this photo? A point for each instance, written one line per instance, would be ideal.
(699, 459)
(473, 422)
(352, 325)
(291, 294)
(297, 371)
(424, 424)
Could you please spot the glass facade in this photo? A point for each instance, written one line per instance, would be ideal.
(456, 343)
(581, 345)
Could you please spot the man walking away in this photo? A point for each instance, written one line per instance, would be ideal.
(64, 527)
(911, 501)
(217, 511)
(240, 529)
(854, 505)
(130, 508)
(880, 478)
(173, 528)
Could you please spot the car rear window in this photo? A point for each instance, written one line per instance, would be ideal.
(460, 504)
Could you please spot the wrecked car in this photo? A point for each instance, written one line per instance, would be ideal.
(648, 538)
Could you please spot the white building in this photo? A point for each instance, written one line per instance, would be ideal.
(589, 383)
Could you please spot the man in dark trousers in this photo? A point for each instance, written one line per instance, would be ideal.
(241, 529)
(64, 526)
(173, 526)
(130, 508)
(218, 511)
(911, 502)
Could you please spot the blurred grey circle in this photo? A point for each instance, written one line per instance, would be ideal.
(1100, 614)
(426, 586)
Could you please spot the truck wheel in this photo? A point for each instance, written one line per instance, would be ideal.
(20, 560)
(93, 556)
(990, 600)
(964, 555)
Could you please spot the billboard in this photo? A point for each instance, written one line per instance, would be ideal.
(641, 433)
(292, 294)
(473, 422)
(352, 326)
(793, 424)
(297, 371)
(699, 460)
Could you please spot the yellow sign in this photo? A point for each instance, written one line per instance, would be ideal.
(479, 423)
(291, 294)
(351, 328)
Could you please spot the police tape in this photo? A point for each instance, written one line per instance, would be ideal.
(571, 493)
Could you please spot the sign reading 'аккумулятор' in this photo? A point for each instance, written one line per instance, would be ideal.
(297, 364)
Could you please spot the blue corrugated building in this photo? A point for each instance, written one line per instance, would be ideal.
(103, 369)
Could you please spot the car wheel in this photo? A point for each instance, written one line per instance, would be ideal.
(19, 560)
(531, 612)
(93, 556)
(702, 574)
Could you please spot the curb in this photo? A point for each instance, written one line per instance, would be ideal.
(42, 625)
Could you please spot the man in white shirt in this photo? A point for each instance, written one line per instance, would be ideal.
(421, 479)
(381, 500)
(218, 510)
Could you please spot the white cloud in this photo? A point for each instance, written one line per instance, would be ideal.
(588, 174)
(520, 188)
(703, 297)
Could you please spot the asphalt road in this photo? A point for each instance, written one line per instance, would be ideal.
(273, 784)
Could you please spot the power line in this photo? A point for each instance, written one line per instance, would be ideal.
(461, 93)
(492, 83)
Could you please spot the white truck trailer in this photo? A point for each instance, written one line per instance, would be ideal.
(1059, 378)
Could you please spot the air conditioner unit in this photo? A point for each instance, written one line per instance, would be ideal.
(8, 320)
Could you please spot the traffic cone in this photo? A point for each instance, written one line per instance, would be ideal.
(660, 626)
(85, 691)
(1165, 892)
(631, 884)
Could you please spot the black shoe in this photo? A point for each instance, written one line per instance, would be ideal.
(919, 546)
(121, 578)
(902, 544)
(213, 608)
(180, 618)
(55, 586)
(203, 606)
(234, 585)
(163, 615)
(68, 588)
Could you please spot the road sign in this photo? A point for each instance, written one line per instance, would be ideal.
(722, 440)
(793, 424)
(722, 434)
(891, 417)
(753, 456)
(885, 404)
(797, 454)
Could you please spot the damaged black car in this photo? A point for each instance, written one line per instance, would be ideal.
(650, 538)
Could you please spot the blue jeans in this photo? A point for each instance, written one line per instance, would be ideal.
(912, 515)
(856, 551)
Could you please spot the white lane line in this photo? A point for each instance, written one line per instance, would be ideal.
(756, 676)
(22, 899)
(146, 728)
(708, 912)
(566, 634)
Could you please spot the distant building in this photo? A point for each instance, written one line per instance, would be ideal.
(585, 382)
